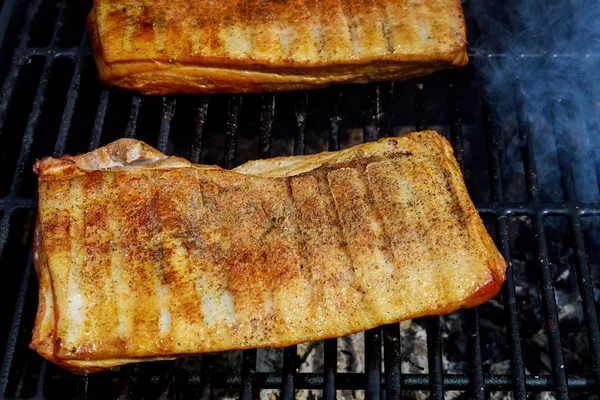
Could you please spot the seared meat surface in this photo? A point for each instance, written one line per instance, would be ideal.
(208, 46)
(141, 256)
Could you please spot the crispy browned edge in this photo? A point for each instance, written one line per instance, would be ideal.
(206, 76)
(133, 152)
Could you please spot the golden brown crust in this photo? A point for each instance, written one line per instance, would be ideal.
(143, 256)
(182, 46)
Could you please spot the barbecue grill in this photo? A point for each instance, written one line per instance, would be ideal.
(539, 337)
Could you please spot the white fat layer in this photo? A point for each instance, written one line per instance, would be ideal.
(218, 307)
(164, 322)
(285, 39)
(164, 319)
(76, 305)
(238, 41)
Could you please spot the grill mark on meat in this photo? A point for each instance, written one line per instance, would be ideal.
(301, 249)
(361, 232)
(337, 38)
(383, 238)
(159, 37)
(238, 41)
(95, 277)
(349, 26)
(286, 218)
(329, 265)
(183, 253)
(116, 260)
(217, 302)
(316, 28)
(131, 16)
(303, 263)
(56, 221)
(336, 226)
(139, 225)
(78, 322)
(159, 266)
(143, 26)
(176, 273)
(303, 45)
(386, 31)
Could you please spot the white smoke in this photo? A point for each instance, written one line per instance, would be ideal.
(540, 62)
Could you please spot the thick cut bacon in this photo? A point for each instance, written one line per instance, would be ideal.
(141, 256)
(207, 46)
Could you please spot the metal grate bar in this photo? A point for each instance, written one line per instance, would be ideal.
(493, 155)
(456, 131)
(199, 121)
(300, 110)
(134, 113)
(99, 120)
(8, 204)
(6, 14)
(392, 361)
(582, 269)
(434, 358)
(547, 288)
(372, 337)
(456, 137)
(420, 105)
(371, 106)
(167, 380)
(586, 290)
(500, 209)
(235, 105)
(267, 112)
(40, 387)
(69, 110)
(386, 123)
(508, 290)
(550, 311)
(36, 111)
(290, 353)
(168, 110)
(82, 388)
(511, 313)
(289, 372)
(125, 382)
(373, 363)
(208, 362)
(335, 104)
(526, 137)
(478, 388)
(248, 370)
(19, 388)
(4, 225)
(357, 381)
(16, 324)
(66, 52)
(330, 352)
(17, 61)
(329, 369)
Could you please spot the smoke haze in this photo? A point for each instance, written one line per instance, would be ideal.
(539, 62)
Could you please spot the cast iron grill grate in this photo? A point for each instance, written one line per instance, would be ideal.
(51, 104)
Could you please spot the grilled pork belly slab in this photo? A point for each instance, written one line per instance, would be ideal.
(141, 256)
(243, 46)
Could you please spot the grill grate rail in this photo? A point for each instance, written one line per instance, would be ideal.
(25, 375)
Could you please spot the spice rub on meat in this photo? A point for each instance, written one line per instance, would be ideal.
(141, 256)
(244, 46)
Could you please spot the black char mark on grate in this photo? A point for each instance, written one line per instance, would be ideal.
(52, 104)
